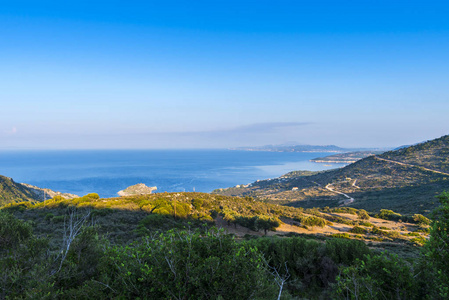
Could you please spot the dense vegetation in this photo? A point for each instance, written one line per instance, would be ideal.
(207, 264)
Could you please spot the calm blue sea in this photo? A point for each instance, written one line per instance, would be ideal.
(107, 171)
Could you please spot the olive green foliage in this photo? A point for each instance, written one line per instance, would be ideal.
(172, 265)
(257, 223)
(12, 231)
(362, 214)
(197, 203)
(358, 230)
(384, 276)
(387, 214)
(29, 269)
(343, 235)
(420, 219)
(313, 221)
(312, 265)
(188, 265)
(438, 246)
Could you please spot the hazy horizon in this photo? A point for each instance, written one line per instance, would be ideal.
(222, 74)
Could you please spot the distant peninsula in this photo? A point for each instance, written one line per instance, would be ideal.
(302, 148)
(345, 158)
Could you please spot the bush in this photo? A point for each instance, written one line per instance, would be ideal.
(362, 214)
(384, 276)
(197, 203)
(387, 214)
(341, 235)
(13, 232)
(313, 221)
(187, 265)
(358, 230)
(420, 219)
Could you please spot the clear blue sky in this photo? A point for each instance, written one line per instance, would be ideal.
(183, 74)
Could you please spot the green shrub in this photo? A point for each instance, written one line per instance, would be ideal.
(358, 230)
(313, 221)
(49, 216)
(341, 235)
(387, 214)
(420, 219)
(197, 203)
(363, 214)
(153, 220)
(367, 224)
(12, 231)
(58, 219)
(384, 276)
(187, 265)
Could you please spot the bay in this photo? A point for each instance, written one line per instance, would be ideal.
(107, 171)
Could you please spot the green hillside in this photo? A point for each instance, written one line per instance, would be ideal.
(432, 154)
(11, 192)
(405, 180)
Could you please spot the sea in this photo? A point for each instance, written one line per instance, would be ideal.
(108, 171)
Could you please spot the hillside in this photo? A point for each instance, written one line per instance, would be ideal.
(432, 154)
(406, 180)
(11, 191)
(125, 219)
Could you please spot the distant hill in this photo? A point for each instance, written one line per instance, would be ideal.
(345, 158)
(299, 148)
(405, 180)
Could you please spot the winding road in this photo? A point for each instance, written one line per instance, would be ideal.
(410, 165)
(345, 202)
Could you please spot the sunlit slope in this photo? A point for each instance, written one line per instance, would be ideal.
(11, 192)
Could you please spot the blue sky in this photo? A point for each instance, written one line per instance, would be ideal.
(187, 74)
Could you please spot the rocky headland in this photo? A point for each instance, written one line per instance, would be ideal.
(137, 189)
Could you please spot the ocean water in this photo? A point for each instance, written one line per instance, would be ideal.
(108, 171)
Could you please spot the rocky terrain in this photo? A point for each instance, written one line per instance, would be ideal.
(137, 189)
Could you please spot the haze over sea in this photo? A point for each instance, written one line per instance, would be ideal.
(107, 171)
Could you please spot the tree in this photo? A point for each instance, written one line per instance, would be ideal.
(438, 245)
(362, 214)
(384, 276)
(267, 223)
